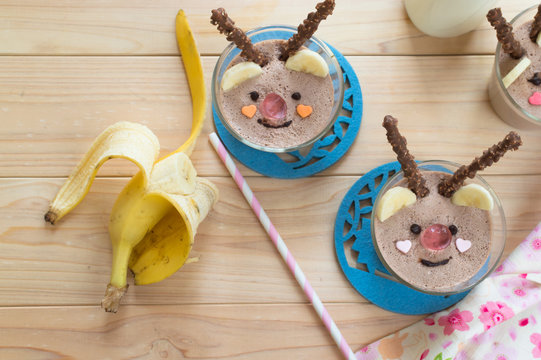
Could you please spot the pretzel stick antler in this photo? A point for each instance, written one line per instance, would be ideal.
(227, 26)
(307, 28)
(536, 25)
(416, 182)
(448, 186)
(504, 32)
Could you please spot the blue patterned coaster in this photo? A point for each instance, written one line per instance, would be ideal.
(324, 152)
(368, 276)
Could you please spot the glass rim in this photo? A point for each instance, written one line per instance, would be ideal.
(499, 75)
(497, 204)
(337, 105)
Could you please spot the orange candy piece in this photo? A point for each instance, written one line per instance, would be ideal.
(304, 110)
(249, 111)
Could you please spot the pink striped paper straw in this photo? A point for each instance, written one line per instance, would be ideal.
(282, 248)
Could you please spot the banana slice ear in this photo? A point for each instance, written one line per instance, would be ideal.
(473, 195)
(308, 61)
(239, 73)
(393, 200)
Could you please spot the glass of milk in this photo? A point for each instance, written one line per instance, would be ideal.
(447, 18)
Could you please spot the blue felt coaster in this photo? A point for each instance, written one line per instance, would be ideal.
(324, 152)
(353, 225)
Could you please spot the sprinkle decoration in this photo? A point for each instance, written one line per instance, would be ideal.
(535, 99)
(403, 246)
(282, 248)
(248, 111)
(462, 245)
(304, 110)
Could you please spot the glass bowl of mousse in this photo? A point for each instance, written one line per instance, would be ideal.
(272, 99)
(434, 230)
(515, 85)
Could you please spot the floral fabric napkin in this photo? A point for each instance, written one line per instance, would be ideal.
(499, 319)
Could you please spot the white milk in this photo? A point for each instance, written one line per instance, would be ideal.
(447, 18)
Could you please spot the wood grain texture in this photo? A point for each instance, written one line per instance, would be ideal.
(123, 27)
(69, 263)
(51, 108)
(240, 332)
(68, 69)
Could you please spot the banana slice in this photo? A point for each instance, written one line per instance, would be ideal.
(175, 175)
(473, 195)
(308, 61)
(516, 71)
(239, 73)
(393, 200)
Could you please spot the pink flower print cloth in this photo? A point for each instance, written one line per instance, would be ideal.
(499, 319)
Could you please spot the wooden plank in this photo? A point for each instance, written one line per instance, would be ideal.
(251, 331)
(69, 263)
(51, 108)
(120, 27)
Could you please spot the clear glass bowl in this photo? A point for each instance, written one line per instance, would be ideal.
(497, 234)
(282, 33)
(502, 103)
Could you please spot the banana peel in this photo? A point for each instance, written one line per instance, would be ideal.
(114, 142)
(155, 217)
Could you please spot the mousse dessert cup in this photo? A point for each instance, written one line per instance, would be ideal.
(515, 83)
(438, 227)
(277, 88)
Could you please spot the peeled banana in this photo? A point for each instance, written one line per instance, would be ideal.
(155, 217)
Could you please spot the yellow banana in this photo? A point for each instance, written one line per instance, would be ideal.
(155, 217)
(124, 139)
(152, 228)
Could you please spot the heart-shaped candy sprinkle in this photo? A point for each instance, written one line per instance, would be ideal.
(404, 246)
(304, 110)
(463, 245)
(249, 111)
(535, 99)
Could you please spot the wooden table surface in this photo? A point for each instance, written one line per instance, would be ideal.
(68, 69)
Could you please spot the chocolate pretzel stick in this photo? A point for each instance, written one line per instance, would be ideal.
(448, 186)
(536, 25)
(504, 32)
(416, 182)
(307, 28)
(227, 26)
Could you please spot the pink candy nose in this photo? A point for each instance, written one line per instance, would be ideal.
(436, 237)
(273, 107)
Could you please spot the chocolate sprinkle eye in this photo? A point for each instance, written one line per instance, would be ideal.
(416, 229)
(296, 96)
(453, 229)
(254, 95)
(535, 79)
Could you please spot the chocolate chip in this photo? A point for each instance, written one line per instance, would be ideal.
(296, 96)
(453, 229)
(535, 79)
(254, 95)
(416, 229)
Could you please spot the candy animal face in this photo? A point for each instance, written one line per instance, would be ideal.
(275, 94)
(434, 231)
